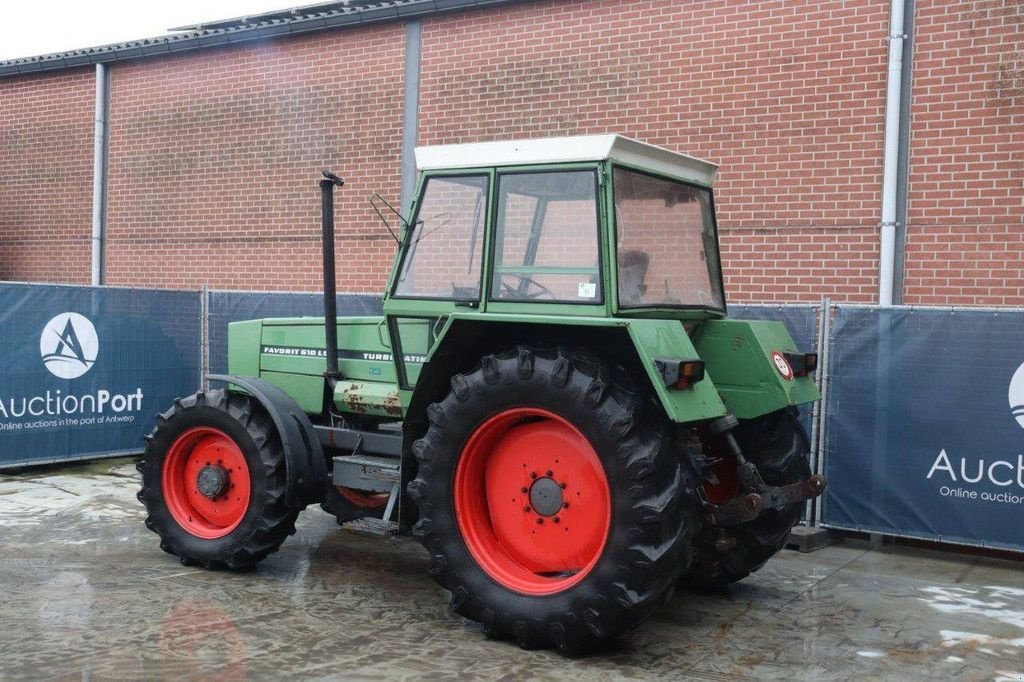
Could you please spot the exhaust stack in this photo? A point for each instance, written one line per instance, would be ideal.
(327, 186)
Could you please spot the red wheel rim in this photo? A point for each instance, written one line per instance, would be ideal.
(723, 470)
(205, 516)
(363, 499)
(532, 501)
(728, 485)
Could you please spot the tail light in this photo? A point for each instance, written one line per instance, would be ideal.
(802, 363)
(679, 373)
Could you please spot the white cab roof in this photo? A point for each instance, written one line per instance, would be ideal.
(566, 150)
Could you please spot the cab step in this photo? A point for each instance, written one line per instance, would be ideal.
(381, 528)
(367, 472)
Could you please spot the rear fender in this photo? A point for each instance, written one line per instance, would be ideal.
(633, 343)
(305, 466)
(738, 356)
(667, 338)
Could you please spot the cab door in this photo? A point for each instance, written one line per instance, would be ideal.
(440, 267)
(546, 257)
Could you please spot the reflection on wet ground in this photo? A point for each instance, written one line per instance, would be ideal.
(87, 593)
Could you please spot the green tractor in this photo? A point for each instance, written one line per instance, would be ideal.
(553, 401)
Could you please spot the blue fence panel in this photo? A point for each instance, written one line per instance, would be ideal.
(921, 439)
(232, 306)
(801, 320)
(802, 323)
(85, 369)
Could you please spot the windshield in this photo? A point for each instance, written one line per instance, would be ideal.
(667, 246)
(445, 249)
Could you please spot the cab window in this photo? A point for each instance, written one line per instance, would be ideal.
(667, 243)
(445, 253)
(546, 241)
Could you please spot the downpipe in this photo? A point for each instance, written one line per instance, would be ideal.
(890, 159)
(99, 174)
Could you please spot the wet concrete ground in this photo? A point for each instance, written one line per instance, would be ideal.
(86, 593)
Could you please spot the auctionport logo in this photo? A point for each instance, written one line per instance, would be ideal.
(1003, 473)
(1017, 395)
(69, 345)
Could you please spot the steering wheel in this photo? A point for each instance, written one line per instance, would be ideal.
(513, 292)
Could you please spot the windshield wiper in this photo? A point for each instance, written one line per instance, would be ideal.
(423, 221)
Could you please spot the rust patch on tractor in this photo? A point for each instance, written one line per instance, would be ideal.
(393, 404)
(353, 400)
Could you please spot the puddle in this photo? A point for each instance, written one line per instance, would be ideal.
(997, 603)
(28, 500)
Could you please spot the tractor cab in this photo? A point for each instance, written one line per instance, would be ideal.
(597, 225)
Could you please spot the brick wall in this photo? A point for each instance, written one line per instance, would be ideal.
(965, 240)
(787, 96)
(214, 154)
(215, 157)
(46, 150)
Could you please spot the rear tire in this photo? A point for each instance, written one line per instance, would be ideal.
(248, 518)
(778, 445)
(619, 547)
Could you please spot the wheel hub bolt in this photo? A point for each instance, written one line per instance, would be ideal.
(546, 496)
(212, 481)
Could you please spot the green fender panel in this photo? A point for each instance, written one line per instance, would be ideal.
(651, 339)
(737, 356)
(667, 338)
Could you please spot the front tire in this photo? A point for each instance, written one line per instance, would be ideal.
(213, 482)
(553, 501)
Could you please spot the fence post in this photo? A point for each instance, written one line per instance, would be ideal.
(824, 380)
(816, 410)
(813, 537)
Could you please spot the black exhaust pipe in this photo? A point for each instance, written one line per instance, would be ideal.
(327, 186)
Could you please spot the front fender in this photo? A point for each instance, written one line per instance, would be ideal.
(305, 466)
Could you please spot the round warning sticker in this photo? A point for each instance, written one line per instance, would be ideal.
(782, 364)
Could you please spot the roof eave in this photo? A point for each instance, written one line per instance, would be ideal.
(393, 10)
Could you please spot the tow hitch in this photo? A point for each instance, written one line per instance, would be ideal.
(758, 495)
(748, 507)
